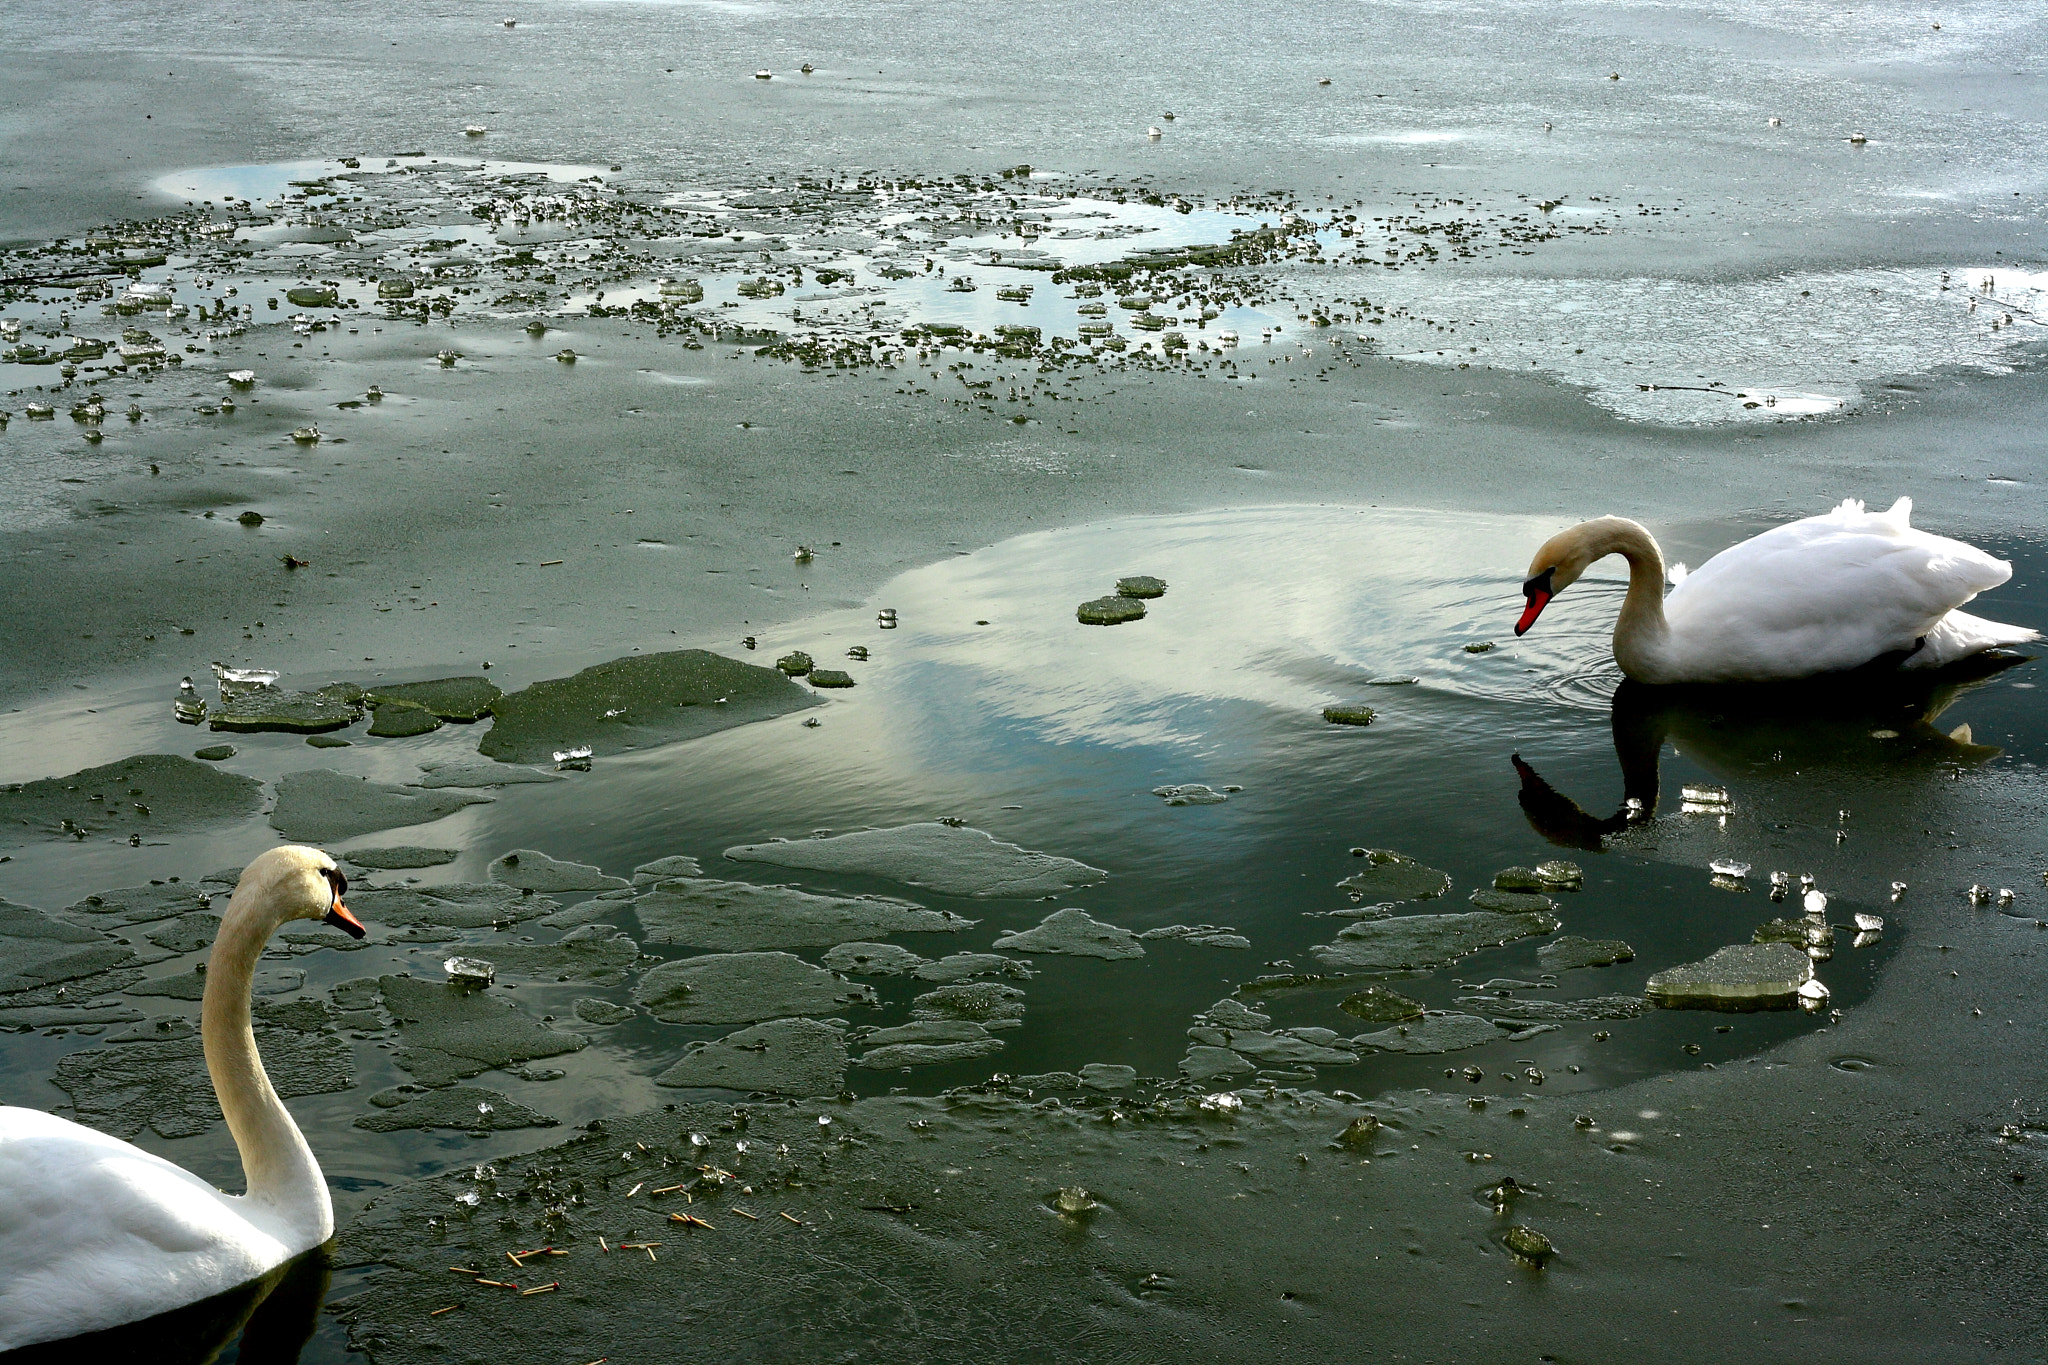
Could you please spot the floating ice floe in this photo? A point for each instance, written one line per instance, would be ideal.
(1740, 976)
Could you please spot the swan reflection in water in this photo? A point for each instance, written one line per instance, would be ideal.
(1853, 724)
(269, 1320)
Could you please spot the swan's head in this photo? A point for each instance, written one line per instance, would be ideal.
(297, 882)
(1567, 555)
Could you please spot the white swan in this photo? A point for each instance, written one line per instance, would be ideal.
(1822, 595)
(95, 1232)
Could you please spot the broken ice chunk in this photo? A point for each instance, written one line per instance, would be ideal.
(234, 682)
(190, 707)
(469, 971)
(1740, 976)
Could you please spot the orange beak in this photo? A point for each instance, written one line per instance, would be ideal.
(341, 919)
(1537, 591)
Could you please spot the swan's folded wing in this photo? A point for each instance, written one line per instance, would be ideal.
(95, 1232)
(1831, 592)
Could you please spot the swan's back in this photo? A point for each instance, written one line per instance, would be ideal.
(95, 1232)
(1830, 592)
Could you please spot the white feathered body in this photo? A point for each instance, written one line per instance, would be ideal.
(1826, 594)
(95, 1232)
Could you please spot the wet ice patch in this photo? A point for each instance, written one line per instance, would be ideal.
(1190, 794)
(744, 988)
(1420, 941)
(188, 933)
(591, 954)
(1706, 351)
(1204, 1062)
(1556, 1011)
(399, 720)
(965, 966)
(948, 859)
(320, 806)
(253, 709)
(41, 950)
(661, 869)
(1380, 1005)
(738, 916)
(1229, 1013)
(123, 1088)
(638, 702)
(926, 1043)
(450, 1033)
(396, 857)
(1074, 932)
(873, 959)
(1511, 902)
(456, 699)
(139, 904)
(604, 1013)
(1201, 935)
(1390, 876)
(148, 795)
(455, 905)
(987, 1003)
(1290, 1047)
(1570, 951)
(475, 772)
(1434, 1033)
(782, 1057)
(1108, 1076)
(530, 870)
(1740, 976)
(464, 1107)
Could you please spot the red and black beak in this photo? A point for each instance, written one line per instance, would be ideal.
(338, 914)
(1538, 592)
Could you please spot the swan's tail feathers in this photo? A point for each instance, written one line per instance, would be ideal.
(1958, 635)
(1899, 516)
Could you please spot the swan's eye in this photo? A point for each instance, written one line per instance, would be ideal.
(337, 879)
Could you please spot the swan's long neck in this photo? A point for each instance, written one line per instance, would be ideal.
(1640, 632)
(276, 1162)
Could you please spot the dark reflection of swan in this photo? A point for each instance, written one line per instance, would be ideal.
(1848, 724)
(274, 1318)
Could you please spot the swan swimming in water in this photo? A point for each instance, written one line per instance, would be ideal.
(95, 1232)
(1827, 594)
